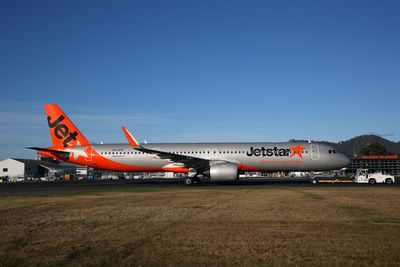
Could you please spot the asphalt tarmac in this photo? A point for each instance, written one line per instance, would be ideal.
(76, 187)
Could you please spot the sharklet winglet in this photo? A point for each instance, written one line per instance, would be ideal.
(132, 141)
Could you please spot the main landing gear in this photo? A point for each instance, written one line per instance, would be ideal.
(191, 180)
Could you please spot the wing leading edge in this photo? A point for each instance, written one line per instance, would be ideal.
(188, 161)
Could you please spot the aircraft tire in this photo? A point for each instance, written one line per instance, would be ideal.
(389, 181)
(188, 181)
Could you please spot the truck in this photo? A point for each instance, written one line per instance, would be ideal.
(362, 176)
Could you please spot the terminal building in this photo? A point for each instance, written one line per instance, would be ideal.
(387, 164)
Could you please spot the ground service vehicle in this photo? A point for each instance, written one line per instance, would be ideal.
(362, 176)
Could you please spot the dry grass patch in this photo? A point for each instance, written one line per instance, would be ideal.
(246, 225)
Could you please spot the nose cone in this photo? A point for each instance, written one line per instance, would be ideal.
(345, 160)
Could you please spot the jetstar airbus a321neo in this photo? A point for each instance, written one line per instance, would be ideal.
(200, 161)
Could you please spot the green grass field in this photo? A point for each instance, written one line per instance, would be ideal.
(224, 225)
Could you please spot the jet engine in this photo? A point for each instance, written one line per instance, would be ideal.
(222, 172)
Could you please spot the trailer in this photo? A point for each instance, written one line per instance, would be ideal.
(331, 181)
(362, 177)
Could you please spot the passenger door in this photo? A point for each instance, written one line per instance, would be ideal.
(314, 152)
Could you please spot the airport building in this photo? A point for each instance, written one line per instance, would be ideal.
(387, 164)
(23, 168)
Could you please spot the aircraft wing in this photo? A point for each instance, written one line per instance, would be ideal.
(191, 162)
(188, 161)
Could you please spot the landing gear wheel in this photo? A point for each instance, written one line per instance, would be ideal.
(314, 181)
(188, 181)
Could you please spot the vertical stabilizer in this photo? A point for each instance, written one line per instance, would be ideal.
(62, 131)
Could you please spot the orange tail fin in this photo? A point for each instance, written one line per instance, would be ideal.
(62, 131)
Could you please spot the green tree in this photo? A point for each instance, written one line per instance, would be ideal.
(374, 148)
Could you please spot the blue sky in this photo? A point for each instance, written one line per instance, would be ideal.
(187, 71)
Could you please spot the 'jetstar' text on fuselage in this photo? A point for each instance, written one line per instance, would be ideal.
(268, 152)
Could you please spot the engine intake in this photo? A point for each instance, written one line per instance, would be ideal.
(222, 172)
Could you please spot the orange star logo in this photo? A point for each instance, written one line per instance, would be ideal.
(297, 150)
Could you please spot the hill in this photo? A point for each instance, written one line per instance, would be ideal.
(355, 145)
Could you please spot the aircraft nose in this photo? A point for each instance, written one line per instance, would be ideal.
(345, 159)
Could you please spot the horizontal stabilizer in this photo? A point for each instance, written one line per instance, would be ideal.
(61, 154)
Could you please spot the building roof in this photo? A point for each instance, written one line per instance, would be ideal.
(381, 157)
(46, 163)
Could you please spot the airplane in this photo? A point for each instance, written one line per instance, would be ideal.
(199, 161)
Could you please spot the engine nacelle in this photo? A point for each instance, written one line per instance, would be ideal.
(223, 172)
